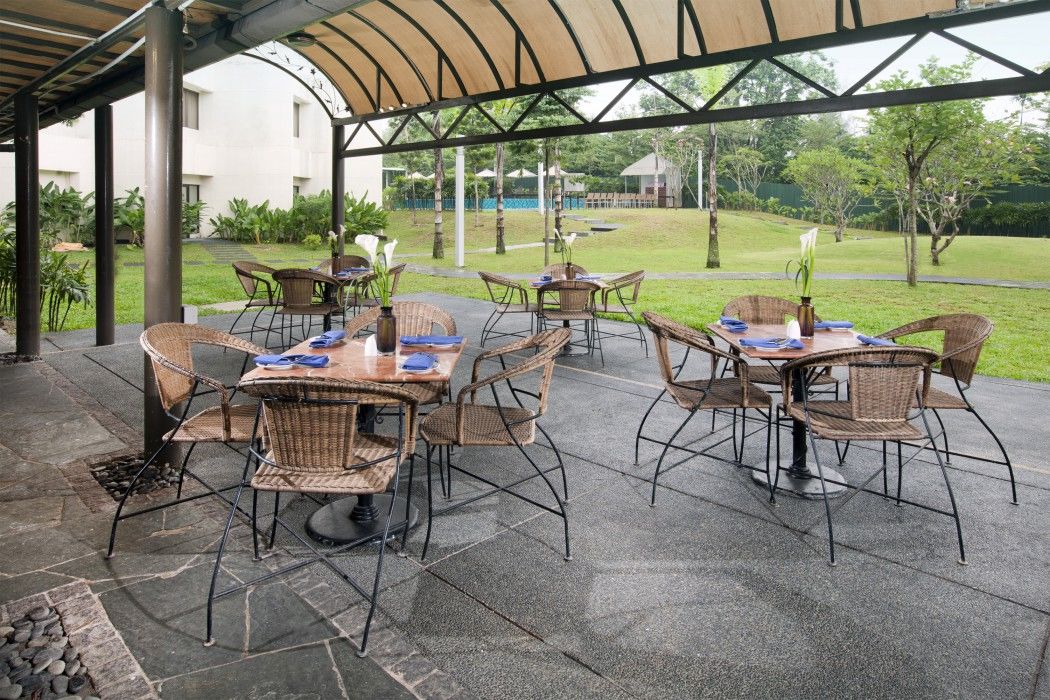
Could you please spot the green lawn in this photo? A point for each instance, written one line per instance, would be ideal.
(666, 241)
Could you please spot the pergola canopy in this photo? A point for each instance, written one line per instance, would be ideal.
(392, 54)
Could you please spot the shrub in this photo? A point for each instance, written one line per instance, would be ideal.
(312, 241)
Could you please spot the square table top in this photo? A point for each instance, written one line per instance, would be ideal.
(822, 340)
(356, 360)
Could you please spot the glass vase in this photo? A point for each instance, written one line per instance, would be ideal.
(386, 331)
(806, 317)
(570, 271)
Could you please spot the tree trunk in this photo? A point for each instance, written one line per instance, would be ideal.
(439, 176)
(557, 189)
(840, 228)
(913, 231)
(936, 252)
(712, 198)
(935, 238)
(501, 245)
(415, 222)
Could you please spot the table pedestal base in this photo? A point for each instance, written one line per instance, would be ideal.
(356, 520)
(804, 484)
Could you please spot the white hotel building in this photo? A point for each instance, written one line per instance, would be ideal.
(250, 130)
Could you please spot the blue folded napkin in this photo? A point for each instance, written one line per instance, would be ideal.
(419, 361)
(771, 343)
(545, 278)
(734, 325)
(353, 270)
(868, 340)
(833, 324)
(327, 338)
(431, 339)
(289, 360)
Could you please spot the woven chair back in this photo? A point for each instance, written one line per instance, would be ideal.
(761, 310)
(571, 295)
(557, 270)
(297, 286)
(965, 333)
(169, 347)
(311, 424)
(345, 262)
(413, 318)
(665, 331)
(499, 287)
(633, 279)
(248, 274)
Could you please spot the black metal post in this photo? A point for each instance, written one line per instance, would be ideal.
(163, 236)
(105, 249)
(27, 225)
(338, 184)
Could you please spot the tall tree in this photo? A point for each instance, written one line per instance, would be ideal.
(746, 167)
(831, 181)
(439, 179)
(909, 135)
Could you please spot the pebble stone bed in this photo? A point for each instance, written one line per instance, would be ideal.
(37, 659)
(115, 476)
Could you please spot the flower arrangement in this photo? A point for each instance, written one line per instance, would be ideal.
(566, 246)
(805, 263)
(381, 264)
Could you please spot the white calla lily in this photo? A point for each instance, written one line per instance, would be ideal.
(570, 239)
(370, 244)
(809, 241)
(388, 254)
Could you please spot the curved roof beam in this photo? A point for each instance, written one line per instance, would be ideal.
(521, 38)
(442, 56)
(572, 33)
(473, 37)
(397, 47)
(302, 82)
(630, 31)
(350, 71)
(379, 69)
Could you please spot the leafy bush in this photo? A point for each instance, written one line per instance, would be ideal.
(66, 214)
(312, 241)
(1012, 217)
(310, 215)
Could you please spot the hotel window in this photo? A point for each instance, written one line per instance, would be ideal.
(296, 107)
(190, 109)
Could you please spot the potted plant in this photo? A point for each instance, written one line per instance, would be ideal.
(804, 280)
(386, 325)
(565, 248)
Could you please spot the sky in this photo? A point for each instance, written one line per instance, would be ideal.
(1023, 40)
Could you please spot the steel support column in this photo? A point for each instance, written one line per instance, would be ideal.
(27, 226)
(460, 208)
(105, 250)
(163, 237)
(338, 184)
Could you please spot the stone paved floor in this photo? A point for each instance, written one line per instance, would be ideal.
(710, 593)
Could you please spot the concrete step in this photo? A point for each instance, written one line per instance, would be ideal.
(598, 228)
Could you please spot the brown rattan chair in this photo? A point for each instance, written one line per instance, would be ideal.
(413, 318)
(509, 297)
(557, 270)
(263, 293)
(470, 422)
(297, 289)
(567, 302)
(764, 310)
(370, 299)
(618, 298)
(888, 391)
(964, 336)
(315, 446)
(169, 347)
(694, 395)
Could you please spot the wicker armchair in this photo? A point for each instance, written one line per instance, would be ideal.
(472, 423)
(694, 395)
(413, 318)
(618, 298)
(297, 287)
(964, 337)
(557, 270)
(763, 310)
(263, 293)
(569, 301)
(508, 297)
(888, 391)
(315, 446)
(371, 299)
(169, 347)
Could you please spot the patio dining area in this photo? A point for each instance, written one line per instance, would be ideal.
(714, 591)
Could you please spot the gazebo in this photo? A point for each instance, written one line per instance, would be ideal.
(394, 61)
(649, 169)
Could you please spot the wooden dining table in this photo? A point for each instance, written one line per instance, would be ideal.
(356, 519)
(799, 478)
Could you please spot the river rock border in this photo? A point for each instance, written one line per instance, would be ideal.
(113, 670)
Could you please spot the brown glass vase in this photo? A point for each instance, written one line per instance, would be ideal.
(386, 331)
(806, 317)
(570, 271)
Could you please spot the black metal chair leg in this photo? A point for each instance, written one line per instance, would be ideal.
(408, 505)
(667, 446)
(209, 638)
(900, 472)
(430, 505)
(638, 435)
(1002, 449)
(374, 602)
(951, 494)
(273, 525)
(127, 492)
(769, 441)
(255, 525)
(944, 436)
(827, 504)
